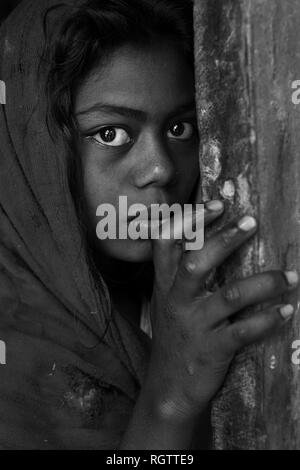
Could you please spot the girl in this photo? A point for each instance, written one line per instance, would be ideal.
(100, 103)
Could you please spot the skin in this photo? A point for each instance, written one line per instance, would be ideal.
(195, 333)
(157, 166)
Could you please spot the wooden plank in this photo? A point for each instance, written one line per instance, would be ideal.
(247, 58)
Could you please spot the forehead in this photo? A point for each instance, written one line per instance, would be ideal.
(155, 79)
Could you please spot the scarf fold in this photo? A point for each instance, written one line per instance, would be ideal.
(65, 384)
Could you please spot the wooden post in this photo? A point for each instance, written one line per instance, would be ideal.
(247, 60)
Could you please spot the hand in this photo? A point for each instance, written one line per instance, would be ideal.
(195, 333)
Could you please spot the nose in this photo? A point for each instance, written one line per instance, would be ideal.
(154, 164)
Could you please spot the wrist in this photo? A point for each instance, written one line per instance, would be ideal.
(159, 420)
(168, 405)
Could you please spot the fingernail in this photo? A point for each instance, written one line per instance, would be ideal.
(292, 277)
(286, 311)
(247, 223)
(214, 205)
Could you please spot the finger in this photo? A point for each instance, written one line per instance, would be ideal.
(196, 265)
(212, 210)
(214, 207)
(167, 250)
(166, 253)
(250, 330)
(243, 293)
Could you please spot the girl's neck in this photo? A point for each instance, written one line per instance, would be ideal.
(127, 284)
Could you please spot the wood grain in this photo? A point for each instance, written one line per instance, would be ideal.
(247, 57)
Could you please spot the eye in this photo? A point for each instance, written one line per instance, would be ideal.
(181, 131)
(112, 136)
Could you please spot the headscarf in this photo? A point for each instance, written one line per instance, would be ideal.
(74, 365)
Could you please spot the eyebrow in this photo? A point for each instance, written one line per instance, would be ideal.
(136, 114)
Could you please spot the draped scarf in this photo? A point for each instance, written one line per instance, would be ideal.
(74, 365)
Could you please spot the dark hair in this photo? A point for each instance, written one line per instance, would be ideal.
(95, 29)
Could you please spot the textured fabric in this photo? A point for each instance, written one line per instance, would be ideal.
(63, 386)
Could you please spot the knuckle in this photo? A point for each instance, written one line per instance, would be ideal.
(239, 335)
(195, 268)
(225, 238)
(190, 267)
(232, 294)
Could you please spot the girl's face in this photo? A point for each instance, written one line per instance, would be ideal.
(139, 139)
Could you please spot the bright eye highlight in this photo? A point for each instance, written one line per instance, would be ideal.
(181, 131)
(112, 136)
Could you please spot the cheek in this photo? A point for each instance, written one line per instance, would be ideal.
(98, 180)
(93, 189)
